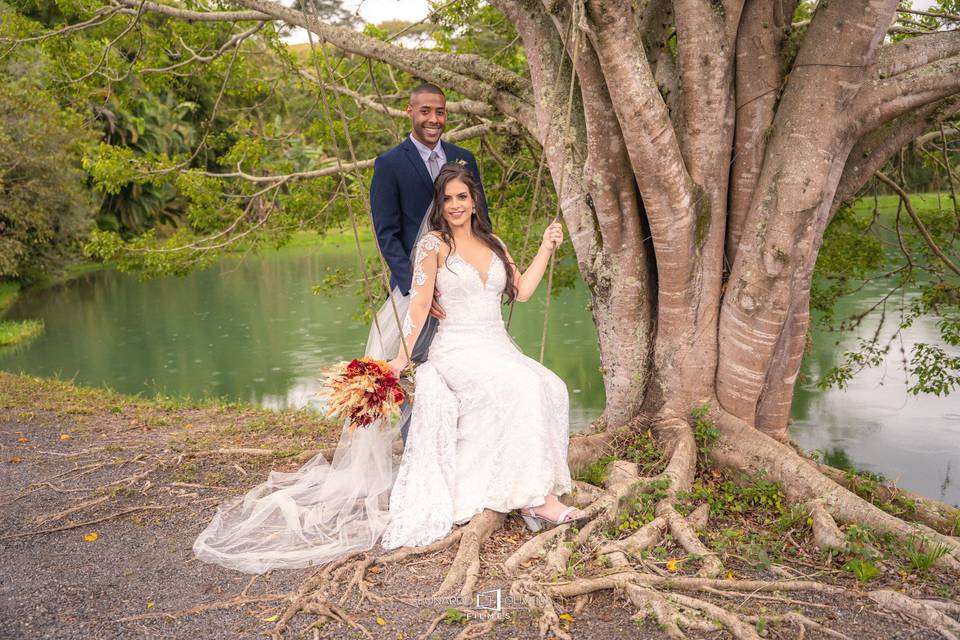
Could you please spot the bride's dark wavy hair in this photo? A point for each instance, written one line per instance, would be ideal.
(479, 224)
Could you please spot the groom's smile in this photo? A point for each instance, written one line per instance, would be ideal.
(428, 117)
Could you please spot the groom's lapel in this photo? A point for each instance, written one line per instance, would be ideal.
(418, 166)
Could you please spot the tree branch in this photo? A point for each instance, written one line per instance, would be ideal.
(468, 107)
(758, 81)
(470, 75)
(874, 149)
(500, 128)
(890, 98)
(917, 221)
(911, 53)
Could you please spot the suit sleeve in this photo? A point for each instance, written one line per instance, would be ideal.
(472, 164)
(385, 207)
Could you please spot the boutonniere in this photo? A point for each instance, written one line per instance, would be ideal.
(461, 162)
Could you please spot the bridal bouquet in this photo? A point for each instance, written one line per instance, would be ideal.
(363, 390)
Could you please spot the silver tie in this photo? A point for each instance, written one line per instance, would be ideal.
(433, 164)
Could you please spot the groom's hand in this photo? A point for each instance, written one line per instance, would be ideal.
(435, 309)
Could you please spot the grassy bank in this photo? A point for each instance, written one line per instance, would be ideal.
(187, 425)
(14, 332)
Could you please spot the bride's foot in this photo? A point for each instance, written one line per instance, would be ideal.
(552, 511)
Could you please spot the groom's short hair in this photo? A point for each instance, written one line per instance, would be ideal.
(427, 87)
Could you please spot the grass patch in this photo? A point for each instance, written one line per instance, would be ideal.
(595, 473)
(16, 332)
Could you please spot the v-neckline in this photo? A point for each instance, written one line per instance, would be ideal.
(483, 280)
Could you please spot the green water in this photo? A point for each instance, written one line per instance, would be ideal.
(252, 330)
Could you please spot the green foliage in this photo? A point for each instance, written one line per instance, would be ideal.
(18, 332)
(9, 291)
(936, 371)
(861, 557)
(455, 616)
(755, 496)
(704, 429)
(642, 450)
(922, 553)
(44, 209)
(864, 569)
(595, 473)
(637, 508)
(876, 240)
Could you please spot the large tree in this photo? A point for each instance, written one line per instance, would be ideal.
(699, 149)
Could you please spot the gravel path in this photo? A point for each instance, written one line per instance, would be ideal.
(147, 479)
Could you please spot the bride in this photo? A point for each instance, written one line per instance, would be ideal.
(489, 428)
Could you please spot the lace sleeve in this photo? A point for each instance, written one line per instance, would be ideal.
(425, 262)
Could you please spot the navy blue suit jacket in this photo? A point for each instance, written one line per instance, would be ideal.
(400, 194)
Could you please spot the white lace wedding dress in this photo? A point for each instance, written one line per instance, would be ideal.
(489, 431)
(490, 426)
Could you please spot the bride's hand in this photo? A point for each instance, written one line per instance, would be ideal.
(552, 237)
(398, 364)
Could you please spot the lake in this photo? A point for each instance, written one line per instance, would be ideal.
(251, 329)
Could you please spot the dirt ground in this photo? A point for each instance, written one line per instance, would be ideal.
(102, 496)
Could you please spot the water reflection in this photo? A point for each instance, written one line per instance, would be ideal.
(876, 423)
(252, 330)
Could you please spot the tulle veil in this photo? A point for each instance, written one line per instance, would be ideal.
(324, 510)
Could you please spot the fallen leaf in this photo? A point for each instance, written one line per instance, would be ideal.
(90, 537)
(730, 575)
(375, 569)
(566, 617)
(381, 621)
(272, 618)
(189, 425)
(671, 565)
(64, 436)
(16, 460)
(150, 605)
(21, 439)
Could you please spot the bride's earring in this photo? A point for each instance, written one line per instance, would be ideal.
(474, 212)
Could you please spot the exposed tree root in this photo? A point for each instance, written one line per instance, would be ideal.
(232, 603)
(802, 482)
(919, 610)
(476, 630)
(680, 604)
(940, 517)
(710, 564)
(802, 622)
(465, 569)
(146, 507)
(50, 517)
(826, 534)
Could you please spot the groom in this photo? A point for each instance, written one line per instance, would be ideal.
(401, 192)
(402, 185)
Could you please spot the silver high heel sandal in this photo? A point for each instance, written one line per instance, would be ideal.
(535, 523)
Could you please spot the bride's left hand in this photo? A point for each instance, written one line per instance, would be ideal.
(398, 364)
(552, 237)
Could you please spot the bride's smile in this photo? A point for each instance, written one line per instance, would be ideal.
(458, 206)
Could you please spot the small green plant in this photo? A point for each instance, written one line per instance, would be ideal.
(637, 508)
(756, 555)
(791, 519)
(704, 429)
(595, 473)
(455, 616)
(923, 554)
(863, 568)
(645, 453)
